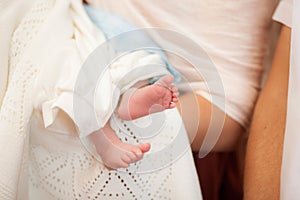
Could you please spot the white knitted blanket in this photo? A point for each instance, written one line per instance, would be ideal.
(42, 156)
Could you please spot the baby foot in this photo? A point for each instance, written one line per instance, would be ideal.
(113, 152)
(154, 98)
(120, 155)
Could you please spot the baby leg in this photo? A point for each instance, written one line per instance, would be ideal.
(114, 153)
(140, 102)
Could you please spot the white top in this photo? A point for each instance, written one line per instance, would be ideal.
(233, 33)
(288, 14)
(284, 12)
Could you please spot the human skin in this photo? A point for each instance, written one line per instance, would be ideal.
(134, 104)
(265, 143)
(231, 130)
(153, 98)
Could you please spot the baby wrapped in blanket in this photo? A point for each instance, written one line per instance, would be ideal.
(44, 157)
(143, 90)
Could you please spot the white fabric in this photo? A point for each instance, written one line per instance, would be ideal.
(288, 14)
(67, 171)
(283, 12)
(47, 49)
(235, 42)
(8, 22)
(25, 56)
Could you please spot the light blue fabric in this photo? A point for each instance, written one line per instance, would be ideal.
(111, 25)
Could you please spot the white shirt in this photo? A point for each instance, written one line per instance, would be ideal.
(233, 33)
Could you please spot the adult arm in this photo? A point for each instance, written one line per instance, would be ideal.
(265, 144)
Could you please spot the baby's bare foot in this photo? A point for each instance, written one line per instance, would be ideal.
(150, 99)
(120, 155)
(113, 152)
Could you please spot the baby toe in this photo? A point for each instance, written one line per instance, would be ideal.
(137, 157)
(132, 156)
(123, 165)
(117, 164)
(174, 88)
(109, 168)
(172, 105)
(175, 94)
(126, 158)
(145, 147)
(138, 154)
(137, 151)
(175, 99)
